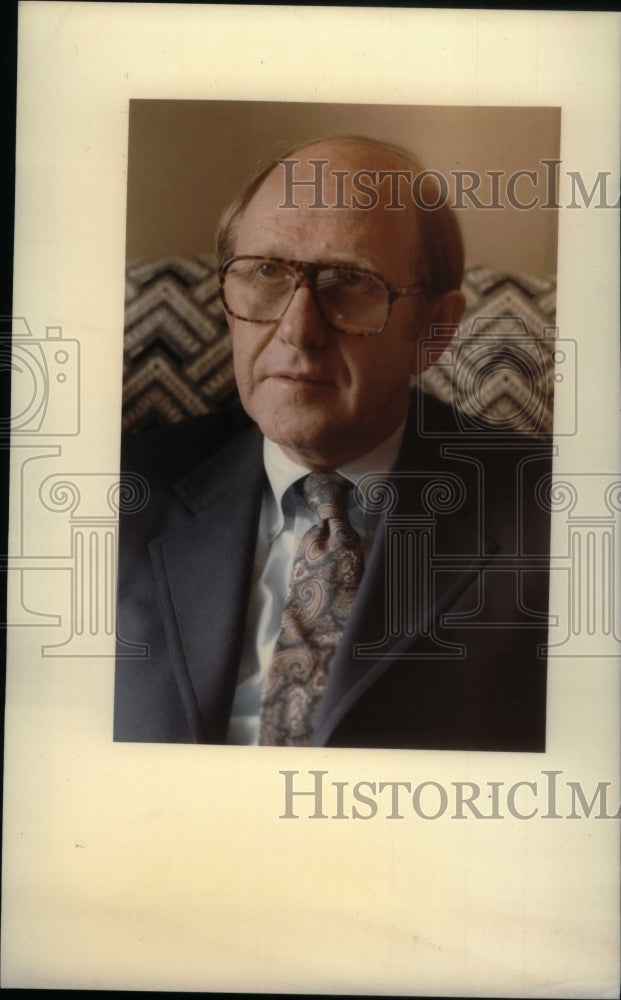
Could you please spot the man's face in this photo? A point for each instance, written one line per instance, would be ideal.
(327, 397)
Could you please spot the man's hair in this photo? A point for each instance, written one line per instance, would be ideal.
(440, 241)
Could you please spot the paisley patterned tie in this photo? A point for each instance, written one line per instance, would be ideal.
(326, 572)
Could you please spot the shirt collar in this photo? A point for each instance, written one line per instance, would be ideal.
(282, 471)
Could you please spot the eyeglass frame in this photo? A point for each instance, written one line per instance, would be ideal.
(308, 279)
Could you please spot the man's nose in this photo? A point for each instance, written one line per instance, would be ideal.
(302, 324)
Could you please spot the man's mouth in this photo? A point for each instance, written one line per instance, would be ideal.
(305, 378)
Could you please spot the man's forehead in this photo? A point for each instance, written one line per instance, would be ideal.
(338, 175)
(329, 202)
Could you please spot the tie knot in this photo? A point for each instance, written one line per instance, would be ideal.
(326, 494)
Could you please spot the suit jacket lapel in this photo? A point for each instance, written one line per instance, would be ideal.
(203, 573)
(372, 642)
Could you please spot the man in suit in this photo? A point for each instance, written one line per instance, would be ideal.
(339, 284)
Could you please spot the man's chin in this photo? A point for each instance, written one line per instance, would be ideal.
(312, 447)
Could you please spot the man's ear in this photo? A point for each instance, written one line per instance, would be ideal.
(449, 309)
(438, 328)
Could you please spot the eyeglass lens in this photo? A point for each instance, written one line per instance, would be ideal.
(352, 301)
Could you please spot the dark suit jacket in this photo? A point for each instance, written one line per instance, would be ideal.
(443, 648)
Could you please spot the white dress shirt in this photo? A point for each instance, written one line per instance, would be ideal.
(284, 519)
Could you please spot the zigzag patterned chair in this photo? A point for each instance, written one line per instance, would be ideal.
(178, 360)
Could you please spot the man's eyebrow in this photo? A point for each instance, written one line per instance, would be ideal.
(353, 260)
(335, 258)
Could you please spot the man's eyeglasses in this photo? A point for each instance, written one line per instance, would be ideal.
(351, 300)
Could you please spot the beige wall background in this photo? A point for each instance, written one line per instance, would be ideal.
(187, 159)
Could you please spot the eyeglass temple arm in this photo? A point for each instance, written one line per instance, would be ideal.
(397, 293)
